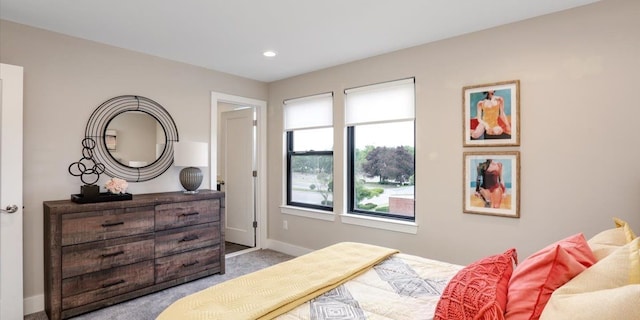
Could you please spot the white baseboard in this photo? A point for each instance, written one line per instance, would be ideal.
(287, 248)
(33, 304)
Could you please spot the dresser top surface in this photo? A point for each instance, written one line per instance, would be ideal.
(139, 200)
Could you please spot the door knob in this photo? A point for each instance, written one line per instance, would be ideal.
(10, 209)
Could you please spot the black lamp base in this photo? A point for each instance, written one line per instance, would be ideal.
(191, 178)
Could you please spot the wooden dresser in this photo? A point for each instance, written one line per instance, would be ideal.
(100, 254)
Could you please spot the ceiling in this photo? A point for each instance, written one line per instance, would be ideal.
(308, 35)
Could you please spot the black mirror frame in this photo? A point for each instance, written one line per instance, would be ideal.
(97, 127)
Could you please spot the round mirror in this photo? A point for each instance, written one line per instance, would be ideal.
(134, 137)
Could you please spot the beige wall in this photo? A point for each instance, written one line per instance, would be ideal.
(65, 80)
(579, 72)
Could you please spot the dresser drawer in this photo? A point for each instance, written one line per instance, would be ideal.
(100, 255)
(106, 224)
(183, 264)
(180, 214)
(100, 285)
(174, 241)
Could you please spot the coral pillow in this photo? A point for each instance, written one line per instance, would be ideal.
(535, 279)
(478, 291)
(609, 290)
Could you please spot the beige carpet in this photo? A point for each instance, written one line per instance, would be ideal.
(148, 307)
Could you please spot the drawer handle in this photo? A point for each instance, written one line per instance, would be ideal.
(184, 265)
(115, 283)
(190, 214)
(112, 224)
(189, 238)
(107, 255)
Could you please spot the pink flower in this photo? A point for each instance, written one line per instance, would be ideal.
(116, 185)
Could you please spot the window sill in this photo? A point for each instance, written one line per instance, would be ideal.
(353, 219)
(308, 213)
(380, 223)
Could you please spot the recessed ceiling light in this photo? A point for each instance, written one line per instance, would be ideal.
(269, 53)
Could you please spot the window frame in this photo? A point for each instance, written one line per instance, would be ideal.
(351, 125)
(351, 198)
(290, 154)
(307, 112)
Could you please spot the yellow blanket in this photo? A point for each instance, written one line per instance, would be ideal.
(273, 291)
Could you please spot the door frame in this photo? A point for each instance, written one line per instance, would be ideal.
(261, 155)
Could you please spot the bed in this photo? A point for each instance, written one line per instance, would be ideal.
(360, 281)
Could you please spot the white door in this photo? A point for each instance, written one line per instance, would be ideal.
(11, 296)
(237, 132)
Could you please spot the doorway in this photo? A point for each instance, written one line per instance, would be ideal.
(236, 165)
(239, 134)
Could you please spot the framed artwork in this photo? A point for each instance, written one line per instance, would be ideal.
(491, 183)
(491, 114)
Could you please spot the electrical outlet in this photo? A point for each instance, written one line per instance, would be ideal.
(285, 225)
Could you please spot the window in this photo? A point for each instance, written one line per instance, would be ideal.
(381, 155)
(309, 143)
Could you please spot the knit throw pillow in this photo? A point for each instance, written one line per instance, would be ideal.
(478, 291)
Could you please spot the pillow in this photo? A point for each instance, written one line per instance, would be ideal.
(626, 228)
(539, 275)
(610, 289)
(479, 290)
(607, 241)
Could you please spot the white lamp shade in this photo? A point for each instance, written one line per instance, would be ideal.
(190, 154)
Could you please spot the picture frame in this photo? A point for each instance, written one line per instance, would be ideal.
(487, 191)
(484, 122)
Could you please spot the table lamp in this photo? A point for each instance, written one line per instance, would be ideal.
(190, 155)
